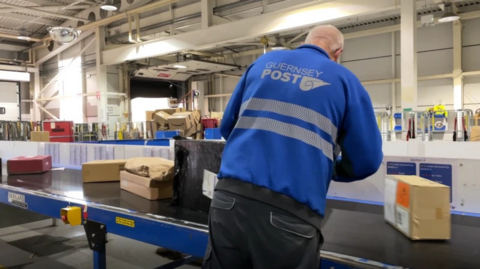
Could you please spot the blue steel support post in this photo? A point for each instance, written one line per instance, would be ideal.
(96, 233)
(100, 258)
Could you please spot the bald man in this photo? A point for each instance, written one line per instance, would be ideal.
(290, 116)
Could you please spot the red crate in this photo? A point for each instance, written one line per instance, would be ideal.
(60, 131)
(29, 165)
(209, 123)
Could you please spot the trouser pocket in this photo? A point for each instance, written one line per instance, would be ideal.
(222, 201)
(292, 226)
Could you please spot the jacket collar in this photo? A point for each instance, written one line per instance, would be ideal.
(315, 48)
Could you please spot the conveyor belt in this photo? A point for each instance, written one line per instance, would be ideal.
(69, 183)
(353, 229)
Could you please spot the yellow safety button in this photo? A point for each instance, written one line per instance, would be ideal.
(71, 215)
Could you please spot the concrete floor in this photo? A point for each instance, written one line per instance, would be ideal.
(29, 241)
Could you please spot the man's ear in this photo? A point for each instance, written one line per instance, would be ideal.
(337, 54)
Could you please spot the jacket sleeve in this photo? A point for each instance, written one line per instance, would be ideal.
(359, 139)
(230, 115)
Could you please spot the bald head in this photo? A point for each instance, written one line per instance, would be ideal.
(328, 38)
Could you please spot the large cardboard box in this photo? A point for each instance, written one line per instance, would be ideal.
(102, 170)
(418, 207)
(197, 115)
(161, 118)
(199, 133)
(41, 136)
(149, 114)
(181, 121)
(146, 187)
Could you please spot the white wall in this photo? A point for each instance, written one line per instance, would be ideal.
(9, 100)
(370, 58)
(81, 78)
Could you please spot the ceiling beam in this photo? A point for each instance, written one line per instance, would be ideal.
(40, 2)
(269, 23)
(30, 19)
(47, 8)
(8, 47)
(34, 10)
(442, 6)
(19, 68)
(357, 34)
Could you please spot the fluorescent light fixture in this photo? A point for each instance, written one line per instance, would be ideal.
(180, 66)
(14, 76)
(108, 5)
(22, 37)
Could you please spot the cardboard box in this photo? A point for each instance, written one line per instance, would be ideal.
(29, 165)
(102, 171)
(217, 115)
(199, 133)
(161, 118)
(197, 115)
(146, 187)
(418, 207)
(149, 114)
(152, 128)
(180, 121)
(191, 131)
(42, 136)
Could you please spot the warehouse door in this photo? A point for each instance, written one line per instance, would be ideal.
(9, 101)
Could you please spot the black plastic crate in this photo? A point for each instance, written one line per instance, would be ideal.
(192, 157)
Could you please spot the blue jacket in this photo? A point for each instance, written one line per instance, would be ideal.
(286, 120)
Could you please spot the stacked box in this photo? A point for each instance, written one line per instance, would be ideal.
(185, 122)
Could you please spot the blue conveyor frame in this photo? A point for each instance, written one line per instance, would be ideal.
(185, 237)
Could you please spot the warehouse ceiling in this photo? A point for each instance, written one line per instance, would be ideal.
(33, 17)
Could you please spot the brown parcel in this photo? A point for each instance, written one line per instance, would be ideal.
(197, 116)
(181, 121)
(161, 118)
(146, 187)
(102, 171)
(418, 207)
(152, 128)
(152, 167)
(149, 113)
(42, 136)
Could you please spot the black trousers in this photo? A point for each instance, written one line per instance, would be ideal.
(247, 234)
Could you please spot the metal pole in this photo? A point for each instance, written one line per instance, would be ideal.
(48, 112)
(100, 258)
